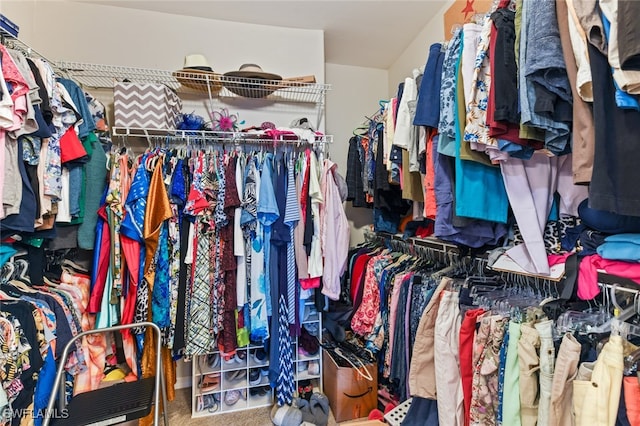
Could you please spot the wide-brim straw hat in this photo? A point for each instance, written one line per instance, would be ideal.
(250, 81)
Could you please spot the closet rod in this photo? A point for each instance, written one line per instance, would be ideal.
(11, 42)
(209, 135)
(428, 242)
(620, 287)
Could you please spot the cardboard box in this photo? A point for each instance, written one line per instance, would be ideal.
(146, 106)
(351, 396)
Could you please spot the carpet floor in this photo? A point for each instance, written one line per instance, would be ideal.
(180, 414)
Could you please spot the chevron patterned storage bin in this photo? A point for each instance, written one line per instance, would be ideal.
(148, 106)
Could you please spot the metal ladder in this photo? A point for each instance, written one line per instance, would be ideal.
(111, 405)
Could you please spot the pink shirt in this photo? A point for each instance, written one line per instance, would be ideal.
(588, 274)
(334, 233)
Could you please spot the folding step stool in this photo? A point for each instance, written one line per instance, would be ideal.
(111, 405)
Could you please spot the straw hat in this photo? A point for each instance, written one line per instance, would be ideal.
(197, 74)
(247, 82)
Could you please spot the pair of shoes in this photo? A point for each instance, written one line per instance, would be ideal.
(315, 410)
(207, 363)
(255, 377)
(233, 396)
(285, 415)
(259, 356)
(235, 375)
(305, 389)
(236, 360)
(209, 402)
(260, 391)
(209, 382)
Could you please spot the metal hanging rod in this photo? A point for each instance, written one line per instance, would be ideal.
(215, 136)
(17, 44)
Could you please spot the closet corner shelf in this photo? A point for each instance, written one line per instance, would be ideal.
(100, 76)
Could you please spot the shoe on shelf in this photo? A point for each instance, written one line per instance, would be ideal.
(255, 377)
(309, 310)
(260, 390)
(213, 361)
(302, 366)
(233, 396)
(199, 403)
(314, 368)
(235, 375)
(233, 362)
(259, 356)
(209, 402)
(209, 382)
(239, 358)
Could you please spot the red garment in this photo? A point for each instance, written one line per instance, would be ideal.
(103, 265)
(304, 195)
(131, 250)
(364, 318)
(632, 399)
(467, 334)
(588, 273)
(70, 146)
(309, 283)
(357, 275)
(196, 201)
(430, 177)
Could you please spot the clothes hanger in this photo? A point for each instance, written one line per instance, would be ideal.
(7, 272)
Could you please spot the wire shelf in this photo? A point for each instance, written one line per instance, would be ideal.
(11, 42)
(212, 84)
(215, 136)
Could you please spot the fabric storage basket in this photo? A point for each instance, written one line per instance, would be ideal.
(146, 105)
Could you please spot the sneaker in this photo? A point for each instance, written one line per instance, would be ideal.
(260, 390)
(302, 366)
(234, 361)
(259, 356)
(264, 370)
(254, 377)
(233, 396)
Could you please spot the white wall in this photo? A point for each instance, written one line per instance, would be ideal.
(98, 34)
(415, 54)
(113, 35)
(355, 93)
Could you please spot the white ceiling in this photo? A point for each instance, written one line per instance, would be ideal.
(363, 33)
